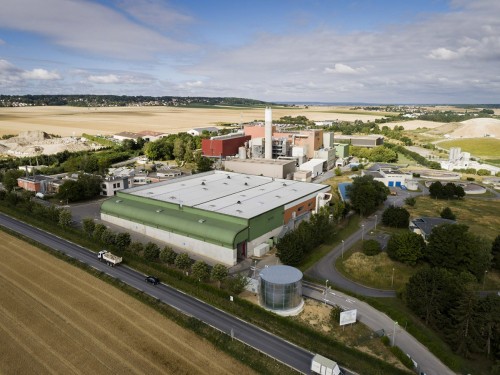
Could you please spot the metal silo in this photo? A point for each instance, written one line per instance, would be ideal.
(280, 288)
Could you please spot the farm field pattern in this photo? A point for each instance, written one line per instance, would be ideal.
(55, 318)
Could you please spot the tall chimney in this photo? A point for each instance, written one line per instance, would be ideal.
(268, 133)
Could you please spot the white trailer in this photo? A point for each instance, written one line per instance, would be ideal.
(110, 259)
(324, 366)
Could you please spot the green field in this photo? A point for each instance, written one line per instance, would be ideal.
(481, 216)
(480, 147)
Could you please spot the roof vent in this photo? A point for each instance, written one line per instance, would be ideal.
(284, 184)
(229, 177)
(239, 202)
(246, 183)
(203, 182)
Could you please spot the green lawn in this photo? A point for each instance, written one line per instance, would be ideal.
(480, 147)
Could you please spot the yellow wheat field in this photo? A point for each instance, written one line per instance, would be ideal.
(57, 319)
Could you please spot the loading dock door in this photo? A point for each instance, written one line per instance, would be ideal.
(398, 183)
(391, 183)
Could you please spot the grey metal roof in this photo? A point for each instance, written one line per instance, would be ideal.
(281, 274)
(427, 224)
(234, 194)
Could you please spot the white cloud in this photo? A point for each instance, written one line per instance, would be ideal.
(344, 69)
(443, 54)
(40, 74)
(108, 78)
(154, 13)
(2, 42)
(86, 26)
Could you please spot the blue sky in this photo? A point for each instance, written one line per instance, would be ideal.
(426, 51)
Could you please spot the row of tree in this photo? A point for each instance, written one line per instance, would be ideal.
(379, 154)
(448, 191)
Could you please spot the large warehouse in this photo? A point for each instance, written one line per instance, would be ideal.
(221, 216)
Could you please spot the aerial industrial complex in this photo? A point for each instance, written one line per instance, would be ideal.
(218, 216)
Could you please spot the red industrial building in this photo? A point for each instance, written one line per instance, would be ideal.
(224, 145)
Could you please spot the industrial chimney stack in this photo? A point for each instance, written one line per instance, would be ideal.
(268, 133)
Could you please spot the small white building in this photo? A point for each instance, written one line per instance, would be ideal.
(199, 131)
(390, 177)
(111, 184)
(327, 154)
(315, 166)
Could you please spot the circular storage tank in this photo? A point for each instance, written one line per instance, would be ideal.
(280, 289)
(242, 153)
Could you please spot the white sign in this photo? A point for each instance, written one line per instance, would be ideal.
(348, 317)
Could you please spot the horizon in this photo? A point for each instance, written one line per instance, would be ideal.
(443, 52)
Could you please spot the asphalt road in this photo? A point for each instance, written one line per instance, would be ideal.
(281, 350)
(376, 320)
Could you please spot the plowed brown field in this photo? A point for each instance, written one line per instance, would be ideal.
(56, 318)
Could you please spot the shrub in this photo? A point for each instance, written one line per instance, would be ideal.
(405, 360)
(410, 201)
(200, 270)
(151, 251)
(338, 172)
(471, 179)
(386, 340)
(448, 214)
(371, 247)
(237, 283)
(136, 248)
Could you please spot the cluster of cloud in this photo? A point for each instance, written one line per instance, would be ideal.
(452, 56)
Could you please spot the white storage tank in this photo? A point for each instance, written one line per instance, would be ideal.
(280, 290)
(242, 153)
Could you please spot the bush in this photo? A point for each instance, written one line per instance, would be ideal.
(405, 360)
(471, 179)
(410, 201)
(236, 284)
(136, 248)
(200, 270)
(338, 172)
(386, 340)
(396, 217)
(448, 214)
(371, 247)
(151, 251)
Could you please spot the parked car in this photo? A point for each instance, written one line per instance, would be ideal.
(152, 280)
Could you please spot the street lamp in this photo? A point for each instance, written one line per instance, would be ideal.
(362, 232)
(376, 217)
(484, 279)
(342, 249)
(326, 289)
(392, 278)
(394, 334)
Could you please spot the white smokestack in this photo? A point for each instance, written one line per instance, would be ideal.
(268, 118)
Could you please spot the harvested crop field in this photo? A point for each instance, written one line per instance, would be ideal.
(55, 318)
(480, 147)
(68, 121)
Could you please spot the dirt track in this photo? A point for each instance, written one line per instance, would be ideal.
(55, 318)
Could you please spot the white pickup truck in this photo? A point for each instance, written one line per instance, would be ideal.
(110, 259)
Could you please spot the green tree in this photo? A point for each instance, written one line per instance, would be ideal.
(446, 213)
(108, 238)
(464, 334)
(168, 255)
(10, 179)
(237, 283)
(123, 240)
(406, 247)
(203, 164)
(200, 270)
(70, 191)
(219, 273)
(151, 251)
(488, 316)
(396, 217)
(65, 218)
(371, 247)
(453, 247)
(88, 226)
(338, 172)
(290, 249)
(183, 261)
(495, 252)
(98, 229)
(366, 194)
(179, 149)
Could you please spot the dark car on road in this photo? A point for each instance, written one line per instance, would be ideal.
(152, 280)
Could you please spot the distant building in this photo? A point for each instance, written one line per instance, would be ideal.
(111, 184)
(425, 225)
(315, 166)
(199, 131)
(36, 183)
(370, 140)
(262, 167)
(224, 145)
(341, 150)
(390, 177)
(147, 135)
